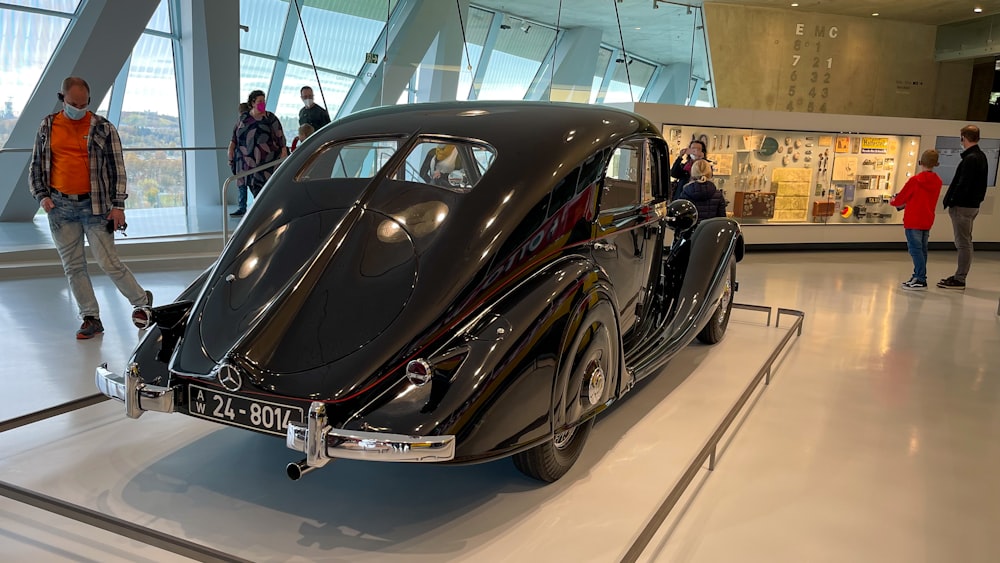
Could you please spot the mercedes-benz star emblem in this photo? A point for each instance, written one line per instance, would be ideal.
(229, 377)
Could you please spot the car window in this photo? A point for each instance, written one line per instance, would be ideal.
(452, 164)
(621, 179)
(648, 173)
(353, 159)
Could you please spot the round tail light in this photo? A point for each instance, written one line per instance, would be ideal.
(419, 372)
(142, 317)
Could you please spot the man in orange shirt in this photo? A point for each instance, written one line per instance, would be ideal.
(78, 178)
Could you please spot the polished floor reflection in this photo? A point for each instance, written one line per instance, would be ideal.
(877, 441)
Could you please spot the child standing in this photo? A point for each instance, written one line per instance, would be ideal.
(918, 199)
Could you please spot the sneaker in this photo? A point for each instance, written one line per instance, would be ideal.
(951, 283)
(238, 213)
(90, 328)
(915, 285)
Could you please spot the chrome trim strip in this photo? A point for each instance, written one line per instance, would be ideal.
(322, 443)
(129, 388)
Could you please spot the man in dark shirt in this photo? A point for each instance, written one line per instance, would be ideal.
(312, 113)
(966, 192)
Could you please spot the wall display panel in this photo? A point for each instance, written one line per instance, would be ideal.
(950, 153)
(783, 176)
(821, 63)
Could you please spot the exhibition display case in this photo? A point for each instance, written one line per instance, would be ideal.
(785, 176)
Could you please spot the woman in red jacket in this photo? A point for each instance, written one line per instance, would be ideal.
(918, 199)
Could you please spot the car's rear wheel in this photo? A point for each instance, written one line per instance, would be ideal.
(716, 327)
(551, 460)
(593, 360)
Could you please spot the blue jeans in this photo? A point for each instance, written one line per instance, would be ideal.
(916, 243)
(69, 222)
(242, 201)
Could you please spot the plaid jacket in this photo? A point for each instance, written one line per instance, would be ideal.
(107, 166)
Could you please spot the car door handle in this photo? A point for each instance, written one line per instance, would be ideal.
(605, 246)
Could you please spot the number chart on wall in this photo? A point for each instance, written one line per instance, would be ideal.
(809, 75)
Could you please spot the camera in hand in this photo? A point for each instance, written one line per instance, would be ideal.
(110, 226)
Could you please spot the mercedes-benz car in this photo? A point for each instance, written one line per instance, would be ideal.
(446, 283)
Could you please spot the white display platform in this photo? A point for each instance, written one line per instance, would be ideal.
(226, 488)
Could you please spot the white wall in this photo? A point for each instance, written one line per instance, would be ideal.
(987, 227)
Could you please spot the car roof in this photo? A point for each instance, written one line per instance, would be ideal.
(501, 122)
(530, 138)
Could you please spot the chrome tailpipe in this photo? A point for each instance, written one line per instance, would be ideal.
(299, 469)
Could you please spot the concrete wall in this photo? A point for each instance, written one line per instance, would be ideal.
(987, 227)
(951, 100)
(787, 60)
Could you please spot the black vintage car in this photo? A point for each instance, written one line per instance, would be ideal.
(454, 282)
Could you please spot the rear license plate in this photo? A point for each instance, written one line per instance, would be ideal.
(236, 410)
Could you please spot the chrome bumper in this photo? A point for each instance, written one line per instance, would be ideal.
(129, 388)
(322, 443)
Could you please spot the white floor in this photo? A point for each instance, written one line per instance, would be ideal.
(877, 441)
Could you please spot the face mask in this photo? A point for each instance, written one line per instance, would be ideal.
(308, 102)
(260, 107)
(76, 114)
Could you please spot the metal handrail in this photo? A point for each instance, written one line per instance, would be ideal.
(138, 149)
(117, 526)
(225, 189)
(709, 450)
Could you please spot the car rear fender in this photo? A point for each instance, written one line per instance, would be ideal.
(500, 398)
(714, 244)
(156, 345)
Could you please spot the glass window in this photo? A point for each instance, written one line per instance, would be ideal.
(161, 18)
(453, 165)
(255, 74)
(515, 62)
(149, 106)
(356, 159)
(28, 42)
(647, 175)
(621, 181)
(149, 119)
(340, 33)
(638, 74)
(265, 21)
(475, 36)
(67, 6)
(334, 90)
(603, 58)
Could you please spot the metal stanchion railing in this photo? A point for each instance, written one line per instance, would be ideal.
(225, 189)
(709, 450)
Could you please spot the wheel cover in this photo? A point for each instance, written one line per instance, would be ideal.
(727, 296)
(562, 439)
(595, 385)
